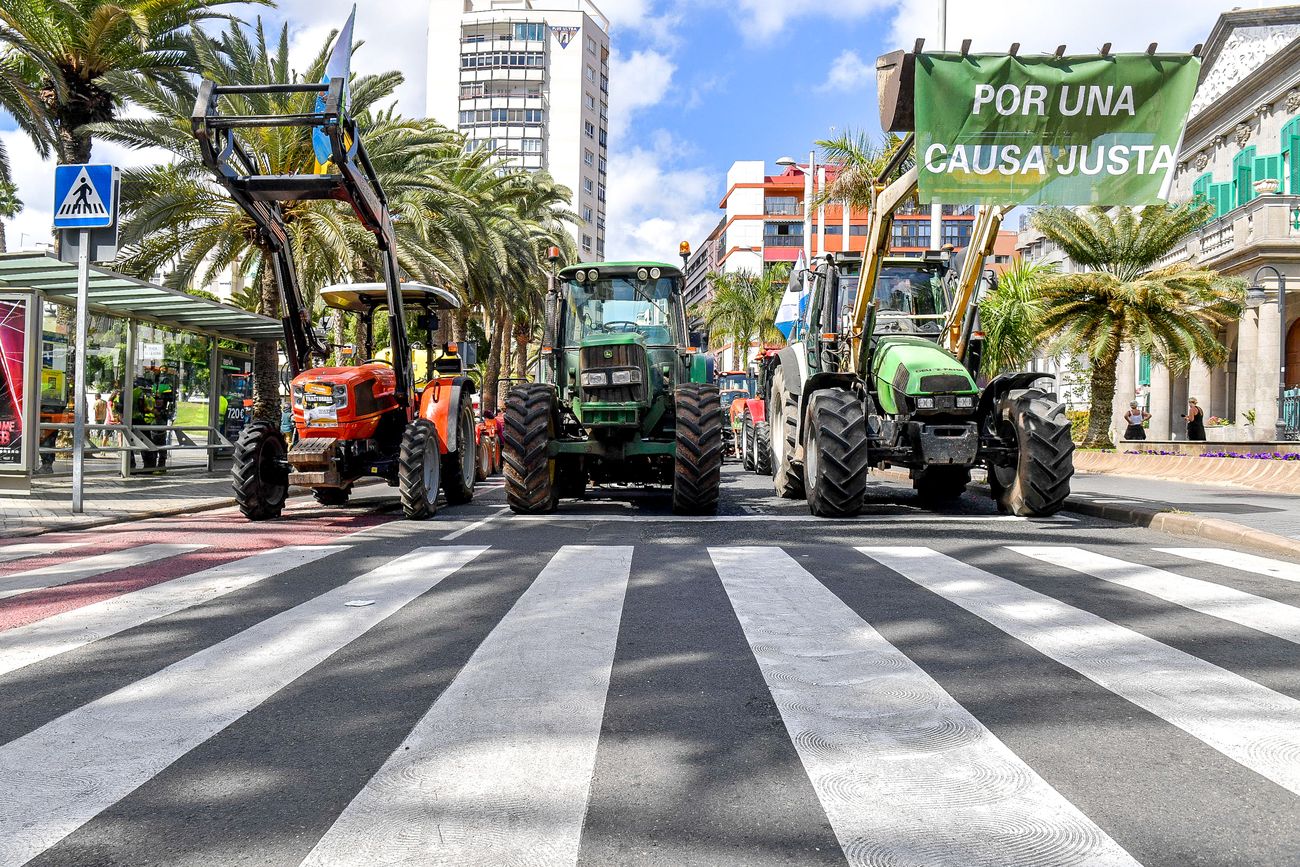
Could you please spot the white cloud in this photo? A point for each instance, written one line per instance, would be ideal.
(761, 20)
(654, 205)
(848, 72)
(636, 81)
(993, 25)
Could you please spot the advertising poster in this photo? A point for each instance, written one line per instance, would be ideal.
(13, 348)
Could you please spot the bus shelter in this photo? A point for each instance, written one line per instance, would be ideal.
(168, 375)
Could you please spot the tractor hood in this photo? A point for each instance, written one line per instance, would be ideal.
(612, 339)
(906, 366)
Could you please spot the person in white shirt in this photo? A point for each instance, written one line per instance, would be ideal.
(1133, 418)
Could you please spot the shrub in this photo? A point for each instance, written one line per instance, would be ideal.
(1078, 423)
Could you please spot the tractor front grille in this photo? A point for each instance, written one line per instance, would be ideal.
(622, 356)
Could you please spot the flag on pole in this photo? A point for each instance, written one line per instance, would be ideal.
(339, 65)
(793, 301)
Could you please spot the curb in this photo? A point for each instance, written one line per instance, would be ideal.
(1173, 523)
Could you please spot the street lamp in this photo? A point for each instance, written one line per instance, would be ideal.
(808, 174)
(1255, 296)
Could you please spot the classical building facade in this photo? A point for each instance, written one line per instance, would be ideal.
(1240, 153)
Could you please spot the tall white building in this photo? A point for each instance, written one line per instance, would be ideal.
(531, 79)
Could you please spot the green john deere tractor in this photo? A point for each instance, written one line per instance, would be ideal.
(621, 397)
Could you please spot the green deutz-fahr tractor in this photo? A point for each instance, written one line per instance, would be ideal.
(621, 397)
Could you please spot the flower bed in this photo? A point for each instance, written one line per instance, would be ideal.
(1252, 456)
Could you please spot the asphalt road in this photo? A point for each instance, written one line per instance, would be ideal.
(613, 685)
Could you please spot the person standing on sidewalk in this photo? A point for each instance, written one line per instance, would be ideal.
(1133, 418)
(1195, 419)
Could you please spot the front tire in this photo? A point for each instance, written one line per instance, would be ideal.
(747, 442)
(419, 470)
(1034, 481)
(763, 449)
(459, 467)
(835, 455)
(697, 465)
(787, 476)
(260, 472)
(529, 469)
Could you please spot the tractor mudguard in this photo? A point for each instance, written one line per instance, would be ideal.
(757, 409)
(702, 368)
(999, 386)
(793, 368)
(439, 403)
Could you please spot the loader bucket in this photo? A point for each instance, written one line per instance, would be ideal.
(896, 85)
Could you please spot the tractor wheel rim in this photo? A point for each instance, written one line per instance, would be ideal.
(811, 460)
(431, 459)
(468, 453)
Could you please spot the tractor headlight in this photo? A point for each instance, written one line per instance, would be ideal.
(297, 396)
(965, 402)
(925, 403)
(593, 275)
(625, 377)
(340, 395)
(581, 276)
(595, 378)
(642, 274)
(654, 273)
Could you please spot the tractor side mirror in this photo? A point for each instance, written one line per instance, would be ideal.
(468, 353)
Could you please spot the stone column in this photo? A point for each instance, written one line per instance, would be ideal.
(1160, 426)
(1125, 377)
(1200, 385)
(1267, 372)
(1247, 349)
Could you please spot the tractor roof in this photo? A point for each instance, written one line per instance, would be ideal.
(363, 297)
(620, 267)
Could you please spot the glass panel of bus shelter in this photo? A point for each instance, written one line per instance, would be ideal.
(235, 387)
(105, 369)
(171, 380)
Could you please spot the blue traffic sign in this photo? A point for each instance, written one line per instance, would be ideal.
(83, 197)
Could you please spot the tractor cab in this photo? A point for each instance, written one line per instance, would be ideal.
(621, 337)
(912, 296)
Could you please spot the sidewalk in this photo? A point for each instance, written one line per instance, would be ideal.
(1278, 514)
(108, 500)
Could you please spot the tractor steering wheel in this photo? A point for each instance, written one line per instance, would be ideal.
(631, 326)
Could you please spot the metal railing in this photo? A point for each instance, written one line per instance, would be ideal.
(1291, 414)
(130, 439)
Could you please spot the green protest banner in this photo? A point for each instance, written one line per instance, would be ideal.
(1092, 130)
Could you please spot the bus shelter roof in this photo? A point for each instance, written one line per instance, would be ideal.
(118, 295)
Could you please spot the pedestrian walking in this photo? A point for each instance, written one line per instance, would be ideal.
(100, 413)
(1133, 418)
(1195, 419)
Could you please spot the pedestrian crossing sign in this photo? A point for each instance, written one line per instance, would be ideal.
(83, 196)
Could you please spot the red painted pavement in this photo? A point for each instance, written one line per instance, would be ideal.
(226, 533)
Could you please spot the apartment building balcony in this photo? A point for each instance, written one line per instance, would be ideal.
(781, 209)
(1265, 228)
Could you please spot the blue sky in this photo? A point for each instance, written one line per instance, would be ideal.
(698, 84)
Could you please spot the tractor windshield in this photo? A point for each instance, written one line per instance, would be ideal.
(911, 300)
(623, 305)
(742, 383)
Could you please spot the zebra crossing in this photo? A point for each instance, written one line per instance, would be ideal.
(500, 766)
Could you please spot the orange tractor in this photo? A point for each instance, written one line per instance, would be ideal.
(374, 419)
(754, 435)
(735, 388)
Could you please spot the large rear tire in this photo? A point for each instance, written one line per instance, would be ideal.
(419, 470)
(697, 465)
(529, 469)
(747, 442)
(835, 454)
(1034, 481)
(763, 449)
(260, 473)
(459, 467)
(787, 476)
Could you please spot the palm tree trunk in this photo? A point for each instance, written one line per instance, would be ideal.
(460, 324)
(522, 333)
(507, 343)
(4, 242)
(491, 392)
(340, 335)
(1101, 385)
(266, 353)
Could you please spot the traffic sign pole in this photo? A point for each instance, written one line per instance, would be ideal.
(79, 398)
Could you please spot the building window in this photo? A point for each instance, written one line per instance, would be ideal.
(604, 138)
(503, 60)
(603, 165)
(531, 146)
(957, 234)
(586, 242)
(591, 74)
(591, 45)
(600, 249)
(586, 215)
(781, 206)
(535, 32)
(601, 194)
(526, 116)
(588, 158)
(591, 101)
(910, 233)
(783, 234)
(1243, 176)
(588, 129)
(588, 186)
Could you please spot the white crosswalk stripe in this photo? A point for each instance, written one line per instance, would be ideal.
(1249, 723)
(59, 776)
(26, 550)
(87, 567)
(1216, 600)
(906, 775)
(59, 633)
(498, 770)
(1237, 560)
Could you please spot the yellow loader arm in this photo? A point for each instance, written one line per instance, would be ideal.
(984, 233)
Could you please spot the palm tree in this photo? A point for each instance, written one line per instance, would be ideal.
(743, 306)
(861, 160)
(1011, 316)
(1171, 313)
(10, 206)
(76, 54)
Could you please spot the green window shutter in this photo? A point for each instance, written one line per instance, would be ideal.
(1269, 166)
(1144, 370)
(1293, 173)
(1243, 176)
(1201, 188)
(1221, 197)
